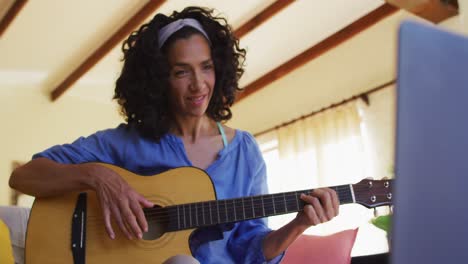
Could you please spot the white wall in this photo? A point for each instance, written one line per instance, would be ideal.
(31, 124)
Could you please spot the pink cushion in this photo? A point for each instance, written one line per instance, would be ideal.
(333, 249)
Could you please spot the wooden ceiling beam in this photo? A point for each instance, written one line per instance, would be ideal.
(262, 17)
(315, 51)
(432, 10)
(10, 15)
(137, 19)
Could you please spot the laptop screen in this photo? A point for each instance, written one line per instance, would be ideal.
(431, 183)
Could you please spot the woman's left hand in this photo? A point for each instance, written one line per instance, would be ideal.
(322, 206)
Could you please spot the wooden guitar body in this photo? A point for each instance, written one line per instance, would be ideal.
(49, 228)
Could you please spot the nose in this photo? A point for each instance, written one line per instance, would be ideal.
(198, 81)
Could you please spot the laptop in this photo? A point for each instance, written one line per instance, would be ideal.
(431, 184)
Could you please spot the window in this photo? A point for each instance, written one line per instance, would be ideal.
(322, 151)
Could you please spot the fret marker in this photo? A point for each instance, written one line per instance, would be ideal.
(297, 202)
(285, 205)
(196, 214)
(235, 209)
(253, 209)
(243, 207)
(185, 222)
(211, 216)
(190, 213)
(217, 211)
(178, 218)
(263, 205)
(225, 208)
(273, 200)
(352, 193)
(203, 212)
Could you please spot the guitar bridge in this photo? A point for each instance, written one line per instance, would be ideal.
(78, 237)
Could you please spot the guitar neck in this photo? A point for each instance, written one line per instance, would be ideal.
(193, 215)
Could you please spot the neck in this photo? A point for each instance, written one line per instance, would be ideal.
(193, 128)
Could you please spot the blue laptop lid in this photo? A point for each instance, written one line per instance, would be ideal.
(431, 184)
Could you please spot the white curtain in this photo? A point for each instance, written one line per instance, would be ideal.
(324, 149)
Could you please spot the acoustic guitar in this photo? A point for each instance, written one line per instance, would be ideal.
(70, 228)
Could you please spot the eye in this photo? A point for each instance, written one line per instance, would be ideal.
(208, 67)
(180, 73)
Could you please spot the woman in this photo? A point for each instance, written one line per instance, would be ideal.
(179, 79)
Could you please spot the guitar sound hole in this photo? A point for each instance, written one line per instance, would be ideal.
(158, 221)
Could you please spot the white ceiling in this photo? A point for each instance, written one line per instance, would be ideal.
(50, 38)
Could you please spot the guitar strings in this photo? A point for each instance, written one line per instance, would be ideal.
(163, 215)
(155, 212)
(228, 204)
(267, 201)
(291, 202)
(226, 214)
(257, 202)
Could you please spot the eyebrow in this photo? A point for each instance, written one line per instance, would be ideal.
(182, 64)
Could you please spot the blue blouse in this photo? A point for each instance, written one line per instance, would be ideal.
(238, 171)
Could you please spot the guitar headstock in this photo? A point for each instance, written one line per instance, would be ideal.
(373, 193)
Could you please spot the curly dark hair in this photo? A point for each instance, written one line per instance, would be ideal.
(142, 88)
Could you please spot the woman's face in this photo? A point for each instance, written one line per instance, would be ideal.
(191, 76)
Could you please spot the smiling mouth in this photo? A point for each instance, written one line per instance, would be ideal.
(196, 99)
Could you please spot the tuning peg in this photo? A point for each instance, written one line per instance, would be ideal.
(376, 213)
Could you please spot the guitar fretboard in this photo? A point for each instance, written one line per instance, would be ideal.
(193, 215)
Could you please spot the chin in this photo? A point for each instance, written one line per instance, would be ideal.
(197, 113)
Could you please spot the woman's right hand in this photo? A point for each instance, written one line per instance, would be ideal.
(119, 201)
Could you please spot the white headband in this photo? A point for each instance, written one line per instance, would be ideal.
(171, 28)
